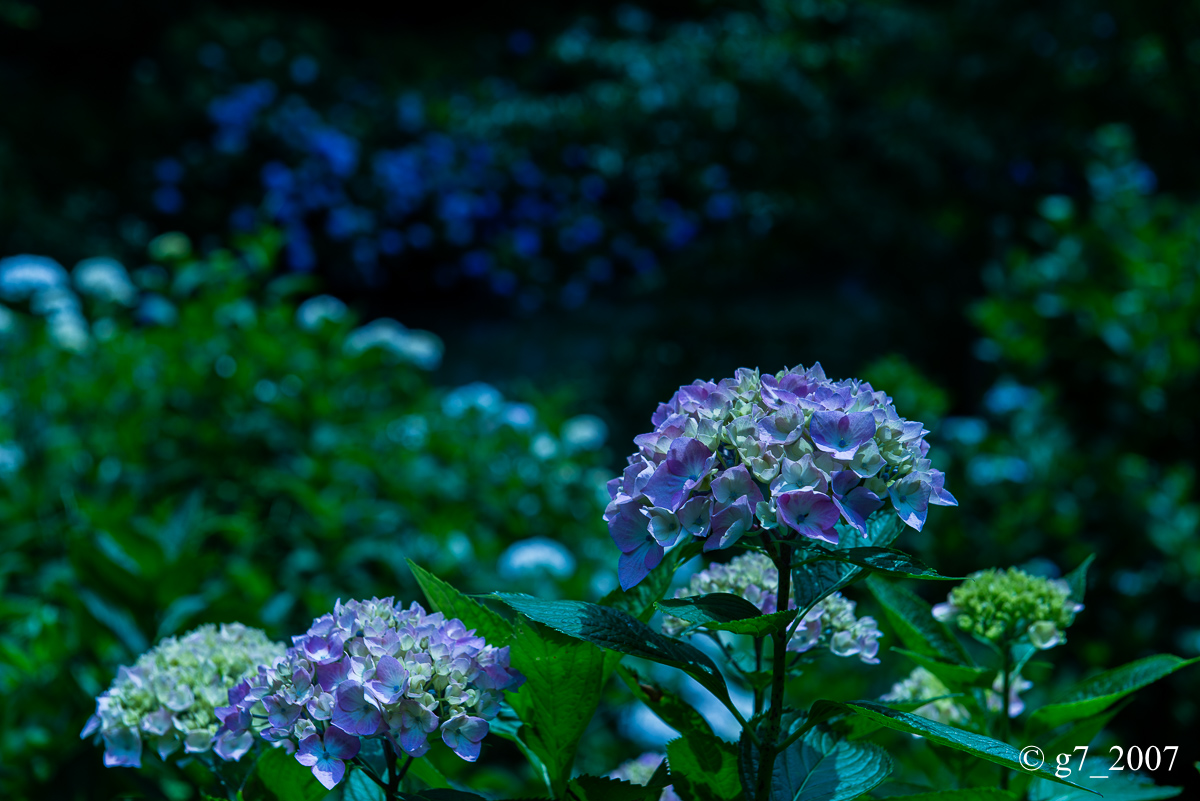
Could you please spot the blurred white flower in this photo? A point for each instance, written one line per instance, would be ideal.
(105, 279)
(537, 555)
(25, 275)
(315, 311)
(420, 348)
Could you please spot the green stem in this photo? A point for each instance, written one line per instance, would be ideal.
(758, 696)
(1004, 722)
(782, 557)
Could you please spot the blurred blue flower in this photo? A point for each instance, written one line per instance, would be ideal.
(520, 42)
(305, 69)
(534, 557)
(168, 199)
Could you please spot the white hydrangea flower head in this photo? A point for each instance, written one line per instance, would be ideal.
(168, 698)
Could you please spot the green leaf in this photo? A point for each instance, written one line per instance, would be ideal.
(639, 601)
(441, 795)
(1098, 693)
(965, 794)
(914, 623)
(1077, 579)
(952, 675)
(359, 787)
(564, 678)
(288, 779)
(881, 560)
(453, 604)
(723, 611)
(1122, 785)
(704, 767)
(974, 744)
(602, 788)
(618, 631)
(670, 708)
(507, 725)
(1079, 733)
(817, 767)
(814, 581)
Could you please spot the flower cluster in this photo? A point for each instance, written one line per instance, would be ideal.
(169, 697)
(1004, 605)
(752, 576)
(921, 685)
(641, 770)
(371, 669)
(793, 452)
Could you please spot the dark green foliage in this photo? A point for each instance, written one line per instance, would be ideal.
(157, 493)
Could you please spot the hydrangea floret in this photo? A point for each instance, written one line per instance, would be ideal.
(791, 454)
(753, 576)
(169, 697)
(1002, 606)
(372, 669)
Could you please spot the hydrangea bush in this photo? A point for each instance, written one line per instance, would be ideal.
(374, 682)
(191, 439)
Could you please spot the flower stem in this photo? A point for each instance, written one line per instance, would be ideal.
(1004, 722)
(781, 555)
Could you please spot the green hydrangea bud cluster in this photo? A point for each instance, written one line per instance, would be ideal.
(168, 697)
(1003, 606)
(921, 685)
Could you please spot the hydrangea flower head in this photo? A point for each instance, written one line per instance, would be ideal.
(792, 453)
(170, 696)
(372, 669)
(921, 685)
(1005, 605)
(752, 576)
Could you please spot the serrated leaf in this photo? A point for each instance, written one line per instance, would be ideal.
(444, 598)
(564, 678)
(619, 631)
(704, 767)
(1077, 579)
(723, 611)
(670, 708)
(950, 674)
(914, 623)
(602, 788)
(1098, 693)
(1122, 785)
(1079, 733)
(871, 557)
(281, 774)
(817, 767)
(958, 739)
(815, 581)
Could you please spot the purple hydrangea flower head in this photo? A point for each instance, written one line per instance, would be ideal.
(792, 454)
(171, 696)
(831, 623)
(373, 669)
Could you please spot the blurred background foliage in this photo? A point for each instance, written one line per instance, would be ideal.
(988, 209)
